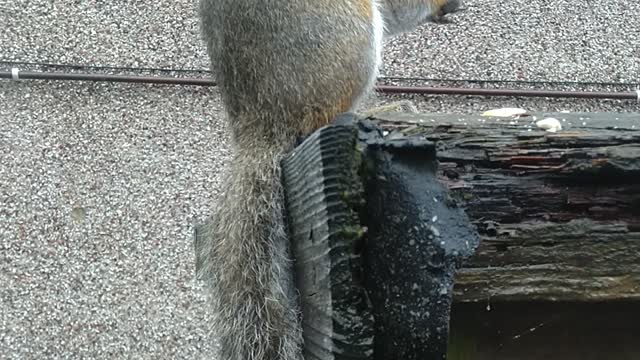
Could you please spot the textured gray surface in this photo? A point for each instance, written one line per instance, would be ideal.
(100, 183)
(99, 187)
(527, 40)
(514, 40)
(162, 33)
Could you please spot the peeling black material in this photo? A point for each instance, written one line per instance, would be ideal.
(416, 238)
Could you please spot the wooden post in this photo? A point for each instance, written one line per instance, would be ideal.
(376, 241)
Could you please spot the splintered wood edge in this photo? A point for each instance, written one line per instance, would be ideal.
(322, 187)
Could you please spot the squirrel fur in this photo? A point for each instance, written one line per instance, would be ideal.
(284, 68)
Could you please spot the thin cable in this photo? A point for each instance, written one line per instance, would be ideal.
(527, 82)
(99, 67)
(628, 95)
(15, 74)
(400, 78)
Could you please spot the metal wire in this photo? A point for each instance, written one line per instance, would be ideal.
(384, 77)
(99, 67)
(14, 74)
(627, 95)
(38, 75)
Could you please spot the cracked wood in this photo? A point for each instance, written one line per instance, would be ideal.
(558, 213)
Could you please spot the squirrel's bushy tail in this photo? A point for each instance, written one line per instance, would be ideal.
(246, 261)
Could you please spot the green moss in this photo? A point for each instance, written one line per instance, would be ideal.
(351, 233)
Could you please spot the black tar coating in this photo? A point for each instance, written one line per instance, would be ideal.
(416, 238)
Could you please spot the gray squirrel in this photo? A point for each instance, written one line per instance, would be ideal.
(284, 68)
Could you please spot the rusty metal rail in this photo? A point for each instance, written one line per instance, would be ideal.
(17, 75)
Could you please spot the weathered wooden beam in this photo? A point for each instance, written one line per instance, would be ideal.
(558, 213)
(373, 272)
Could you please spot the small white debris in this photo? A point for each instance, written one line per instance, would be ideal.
(549, 124)
(434, 218)
(505, 112)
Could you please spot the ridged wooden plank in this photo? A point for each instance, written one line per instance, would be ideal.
(322, 192)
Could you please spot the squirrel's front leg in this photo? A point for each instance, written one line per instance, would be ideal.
(405, 15)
